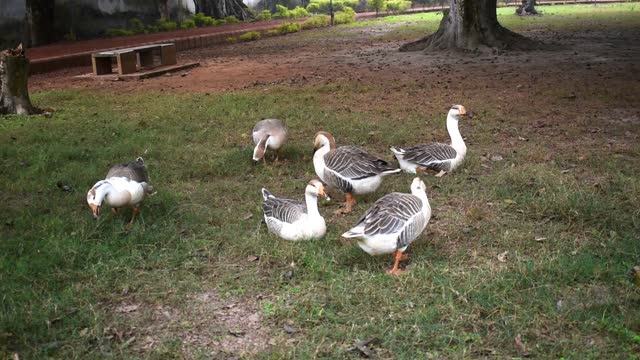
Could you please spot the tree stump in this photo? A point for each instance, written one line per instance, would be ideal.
(14, 74)
(528, 7)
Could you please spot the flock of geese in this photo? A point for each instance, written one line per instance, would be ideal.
(390, 225)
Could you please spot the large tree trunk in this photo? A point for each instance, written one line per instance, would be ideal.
(40, 21)
(222, 8)
(14, 73)
(163, 9)
(470, 25)
(528, 8)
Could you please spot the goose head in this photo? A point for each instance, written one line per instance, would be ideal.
(323, 139)
(458, 111)
(95, 196)
(316, 189)
(260, 149)
(418, 187)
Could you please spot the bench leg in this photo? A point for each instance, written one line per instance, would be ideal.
(146, 58)
(127, 63)
(168, 55)
(101, 65)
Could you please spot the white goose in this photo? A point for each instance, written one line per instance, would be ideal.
(436, 157)
(268, 134)
(350, 169)
(393, 222)
(126, 185)
(292, 219)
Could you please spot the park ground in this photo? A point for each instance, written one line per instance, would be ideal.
(527, 254)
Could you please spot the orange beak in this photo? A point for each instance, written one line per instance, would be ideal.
(463, 111)
(95, 209)
(323, 193)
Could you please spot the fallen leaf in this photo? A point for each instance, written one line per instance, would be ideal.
(247, 216)
(502, 257)
(252, 258)
(522, 138)
(237, 333)
(127, 308)
(509, 201)
(496, 158)
(361, 346)
(540, 239)
(289, 329)
(522, 348)
(84, 332)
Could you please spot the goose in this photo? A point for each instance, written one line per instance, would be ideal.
(435, 157)
(268, 134)
(393, 222)
(126, 184)
(292, 219)
(350, 169)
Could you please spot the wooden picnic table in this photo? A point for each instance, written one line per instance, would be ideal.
(127, 59)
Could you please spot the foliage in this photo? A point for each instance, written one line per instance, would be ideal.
(249, 36)
(397, 5)
(188, 24)
(166, 25)
(264, 15)
(322, 6)
(377, 5)
(288, 28)
(231, 40)
(231, 20)
(316, 22)
(136, 26)
(348, 15)
(201, 20)
(284, 13)
(119, 32)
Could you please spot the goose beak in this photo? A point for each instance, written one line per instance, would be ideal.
(322, 193)
(95, 209)
(463, 111)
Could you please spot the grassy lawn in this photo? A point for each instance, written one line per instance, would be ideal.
(534, 247)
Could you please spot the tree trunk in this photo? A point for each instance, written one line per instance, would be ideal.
(222, 8)
(528, 8)
(163, 9)
(470, 25)
(40, 21)
(14, 73)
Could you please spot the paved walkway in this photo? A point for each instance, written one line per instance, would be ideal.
(78, 53)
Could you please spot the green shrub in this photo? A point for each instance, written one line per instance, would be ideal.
(298, 12)
(188, 24)
(119, 32)
(136, 26)
(231, 40)
(316, 22)
(249, 36)
(152, 29)
(282, 13)
(322, 6)
(273, 32)
(265, 15)
(203, 20)
(231, 20)
(288, 28)
(221, 22)
(348, 15)
(398, 5)
(377, 5)
(164, 25)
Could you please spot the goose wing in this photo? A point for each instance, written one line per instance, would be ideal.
(272, 127)
(354, 163)
(395, 213)
(434, 156)
(285, 210)
(134, 170)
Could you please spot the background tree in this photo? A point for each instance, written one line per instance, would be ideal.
(40, 21)
(14, 73)
(377, 5)
(528, 7)
(470, 25)
(222, 8)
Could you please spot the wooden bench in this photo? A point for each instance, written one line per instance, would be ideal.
(127, 59)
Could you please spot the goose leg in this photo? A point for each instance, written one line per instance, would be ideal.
(264, 160)
(277, 156)
(133, 216)
(396, 270)
(441, 173)
(347, 204)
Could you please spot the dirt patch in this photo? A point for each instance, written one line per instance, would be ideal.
(204, 325)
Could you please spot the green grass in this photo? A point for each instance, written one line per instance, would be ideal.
(570, 240)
